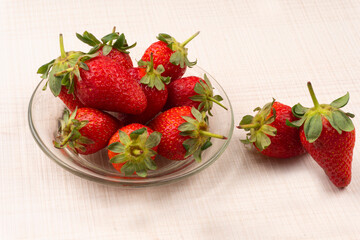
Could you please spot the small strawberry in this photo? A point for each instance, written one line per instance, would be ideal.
(193, 91)
(184, 133)
(57, 83)
(153, 85)
(269, 133)
(117, 51)
(86, 130)
(171, 54)
(133, 149)
(328, 134)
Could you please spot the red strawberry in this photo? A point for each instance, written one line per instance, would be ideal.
(117, 51)
(133, 149)
(192, 91)
(152, 83)
(70, 100)
(86, 130)
(57, 83)
(184, 133)
(269, 133)
(171, 54)
(328, 134)
(107, 85)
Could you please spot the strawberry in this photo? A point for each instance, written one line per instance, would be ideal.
(328, 134)
(171, 54)
(269, 133)
(184, 133)
(57, 83)
(152, 83)
(193, 91)
(106, 85)
(133, 149)
(117, 51)
(85, 130)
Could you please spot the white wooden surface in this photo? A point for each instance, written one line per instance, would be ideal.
(257, 49)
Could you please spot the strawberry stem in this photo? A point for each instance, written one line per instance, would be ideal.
(312, 94)
(245, 126)
(114, 29)
(137, 152)
(209, 134)
(62, 50)
(191, 38)
(63, 72)
(217, 102)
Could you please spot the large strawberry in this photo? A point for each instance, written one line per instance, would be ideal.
(133, 149)
(116, 51)
(171, 54)
(57, 83)
(328, 134)
(269, 133)
(193, 91)
(86, 130)
(185, 132)
(154, 87)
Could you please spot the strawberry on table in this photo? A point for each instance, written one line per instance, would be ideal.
(117, 51)
(193, 91)
(57, 84)
(269, 133)
(171, 54)
(185, 132)
(328, 134)
(132, 149)
(85, 130)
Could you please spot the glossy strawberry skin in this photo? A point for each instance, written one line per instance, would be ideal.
(127, 129)
(180, 92)
(100, 128)
(156, 99)
(122, 58)
(167, 123)
(69, 100)
(286, 143)
(333, 152)
(162, 54)
(108, 86)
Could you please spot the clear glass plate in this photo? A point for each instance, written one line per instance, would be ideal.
(45, 110)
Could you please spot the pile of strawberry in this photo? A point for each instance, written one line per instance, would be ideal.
(136, 112)
(324, 131)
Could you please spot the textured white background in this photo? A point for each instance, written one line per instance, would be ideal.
(257, 49)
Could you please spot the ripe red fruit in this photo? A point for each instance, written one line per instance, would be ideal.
(153, 85)
(269, 133)
(328, 134)
(70, 100)
(133, 149)
(192, 91)
(171, 54)
(86, 130)
(184, 133)
(117, 51)
(59, 85)
(106, 85)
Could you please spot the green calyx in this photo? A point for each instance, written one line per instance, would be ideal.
(106, 42)
(61, 71)
(153, 76)
(136, 151)
(197, 130)
(179, 57)
(258, 127)
(205, 96)
(69, 133)
(311, 118)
